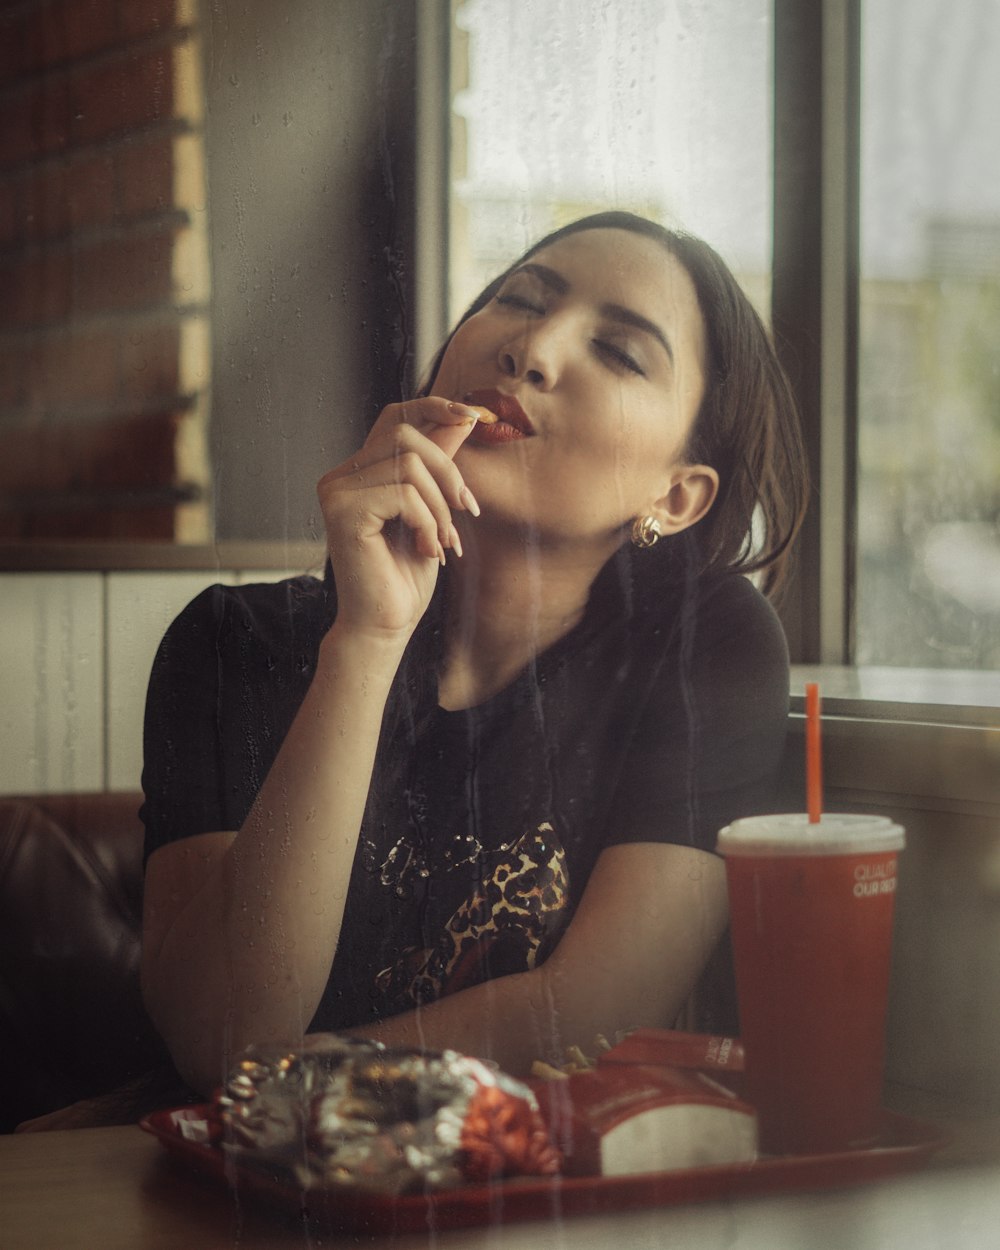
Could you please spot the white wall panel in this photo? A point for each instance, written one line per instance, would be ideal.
(51, 683)
(140, 607)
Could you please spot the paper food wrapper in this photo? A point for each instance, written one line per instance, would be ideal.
(622, 1119)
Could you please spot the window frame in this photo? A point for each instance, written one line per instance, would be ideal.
(816, 54)
(815, 313)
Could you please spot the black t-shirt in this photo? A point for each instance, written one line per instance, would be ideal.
(659, 718)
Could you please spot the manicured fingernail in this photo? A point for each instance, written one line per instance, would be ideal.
(463, 410)
(469, 500)
(456, 542)
(441, 556)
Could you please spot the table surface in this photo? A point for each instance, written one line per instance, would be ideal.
(114, 1188)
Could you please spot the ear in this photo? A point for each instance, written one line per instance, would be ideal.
(691, 493)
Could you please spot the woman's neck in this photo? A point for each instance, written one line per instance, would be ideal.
(505, 603)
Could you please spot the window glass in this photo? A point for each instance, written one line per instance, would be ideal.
(564, 107)
(928, 592)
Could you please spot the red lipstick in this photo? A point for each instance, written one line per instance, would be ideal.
(512, 421)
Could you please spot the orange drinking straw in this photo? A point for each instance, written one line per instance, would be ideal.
(814, 758)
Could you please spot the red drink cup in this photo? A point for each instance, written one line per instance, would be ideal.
(811, 909)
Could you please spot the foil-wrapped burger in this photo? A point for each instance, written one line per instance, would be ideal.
(343, 1111)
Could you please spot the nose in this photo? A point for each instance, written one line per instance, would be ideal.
(511, 367)
(533, 354)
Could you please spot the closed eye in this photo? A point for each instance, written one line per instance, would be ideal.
(619, 357)
(520, 302)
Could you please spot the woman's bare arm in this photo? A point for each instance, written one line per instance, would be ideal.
(241, 928)
(648, 921)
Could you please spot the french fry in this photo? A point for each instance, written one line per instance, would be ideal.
(578, 1061)
(546, 1072)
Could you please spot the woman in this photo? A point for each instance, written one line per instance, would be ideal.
(464, 792)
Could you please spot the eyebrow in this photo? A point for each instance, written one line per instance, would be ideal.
(615, 312)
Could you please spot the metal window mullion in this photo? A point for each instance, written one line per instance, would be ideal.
(814, 299)
(839, 342)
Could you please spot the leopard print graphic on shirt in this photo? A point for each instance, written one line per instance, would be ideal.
(520, 907)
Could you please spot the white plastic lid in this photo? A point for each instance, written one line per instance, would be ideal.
(837, 833)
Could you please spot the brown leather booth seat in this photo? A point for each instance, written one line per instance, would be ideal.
(72, 1023)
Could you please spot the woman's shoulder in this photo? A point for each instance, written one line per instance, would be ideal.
(734, 603)
(738, 630)
(659, 591)
(718, 641)
(268, 613)
(708, 610)
(713, 638)
(722, 649)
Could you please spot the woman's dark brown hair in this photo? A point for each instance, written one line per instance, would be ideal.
(747, 426)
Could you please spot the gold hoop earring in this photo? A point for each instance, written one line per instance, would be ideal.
(646, 531)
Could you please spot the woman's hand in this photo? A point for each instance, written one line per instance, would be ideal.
(388, 514)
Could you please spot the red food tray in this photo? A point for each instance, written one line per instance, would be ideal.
(907, 1146)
